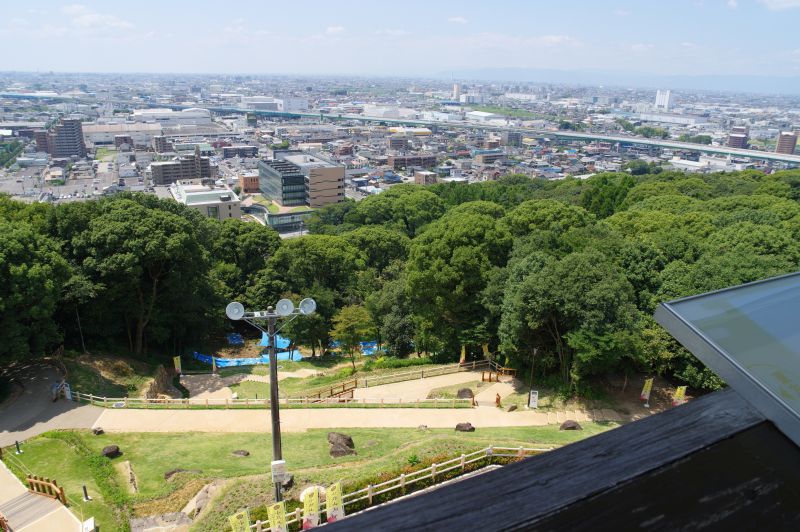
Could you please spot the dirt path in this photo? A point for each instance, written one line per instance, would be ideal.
(416, 389)
(298, 420)
(34, 412)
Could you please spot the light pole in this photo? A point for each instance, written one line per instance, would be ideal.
(283, 309)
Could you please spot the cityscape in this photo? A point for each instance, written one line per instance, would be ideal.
(511, 266)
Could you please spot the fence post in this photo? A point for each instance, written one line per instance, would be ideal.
(258, 525)
(454, 402)
(403, 482)
(369, 494)
(433, 471)
(226, 402)
(463, 462)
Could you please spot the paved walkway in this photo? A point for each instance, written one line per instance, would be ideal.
(28, 512)
(34, 412)
(488, 396)
(416, 389)
(298, 420)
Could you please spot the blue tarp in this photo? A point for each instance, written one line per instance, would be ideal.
(367, 348)
(280, 341)
(231, 362)
(235, 339)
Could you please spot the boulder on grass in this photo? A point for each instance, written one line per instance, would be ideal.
(570, 425)
(511, 408)
(465, 393)
(241, 452)
(422, 427)
(341, 450)
(111, 451)
(337, 438)
(97, 431)
(465, 427)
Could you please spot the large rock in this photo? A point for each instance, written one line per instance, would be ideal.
(111, 451)
(465, 393)
(337, 438)
(465, 427)
(97, 431)
(241, 452)
(511, 408)
(341, 450)
(570, 425)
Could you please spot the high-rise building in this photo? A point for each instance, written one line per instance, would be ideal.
(787, 142)
(511, 138)
(664, 99)
(41, 140)
(65, 139)
(324, 179)
(738, 137)
(282, 182)
(456, 91)
(161, 144)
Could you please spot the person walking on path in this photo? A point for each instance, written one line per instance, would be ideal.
(497, 400)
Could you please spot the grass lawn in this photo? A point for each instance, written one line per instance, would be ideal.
(101, 153)
(448, 392)
(153, 454)
(108, 376)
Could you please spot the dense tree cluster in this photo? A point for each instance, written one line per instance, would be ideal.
(571, 270)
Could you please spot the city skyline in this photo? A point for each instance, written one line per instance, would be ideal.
(691, 38)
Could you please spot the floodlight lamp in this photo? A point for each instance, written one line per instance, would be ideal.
(234, 310)
(308, 306)
(284, 307)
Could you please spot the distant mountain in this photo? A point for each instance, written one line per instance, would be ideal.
(738, 83)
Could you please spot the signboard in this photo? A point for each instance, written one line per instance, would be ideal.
(486, 350)
(277, 517)
(645, 396)
(213, 364)
(240, 521)
(533, 399)
(310, 508)
(278, 471)
(463, 354)
(334, 503)
(680, 396)
(177, 362)
(67, 392)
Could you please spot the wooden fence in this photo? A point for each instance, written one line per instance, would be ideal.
(47, 487)
(366, 382)
(298, 402)
(405, 482)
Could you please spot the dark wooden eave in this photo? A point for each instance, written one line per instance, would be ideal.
(550, 491)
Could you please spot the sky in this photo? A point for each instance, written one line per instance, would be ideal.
(402, 38)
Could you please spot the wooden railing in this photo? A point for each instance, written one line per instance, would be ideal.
(298, 402)
(335, 390)
(47, 487)
(404, 482)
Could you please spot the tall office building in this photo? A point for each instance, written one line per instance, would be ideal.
(295, 178)
(787, 141)
(738, 137)
(65, 139)
(664, 100)
(456, 91)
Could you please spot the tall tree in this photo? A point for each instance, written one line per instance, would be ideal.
(351, 326)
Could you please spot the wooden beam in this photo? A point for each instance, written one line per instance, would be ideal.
(521, 493)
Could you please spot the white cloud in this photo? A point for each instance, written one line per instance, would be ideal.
(457, 20)
(778, 5)
(732, 4)
(334, 30)
(84, 17)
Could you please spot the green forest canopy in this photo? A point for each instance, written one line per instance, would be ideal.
(574, 268)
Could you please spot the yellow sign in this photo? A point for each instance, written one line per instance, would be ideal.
(680, 396)
(213, 364)
(333, 502)
(486, 350)
(648, 386)
(310, 508)
(240, 521)
(463, 354)
(177, 361)
(277, 517)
